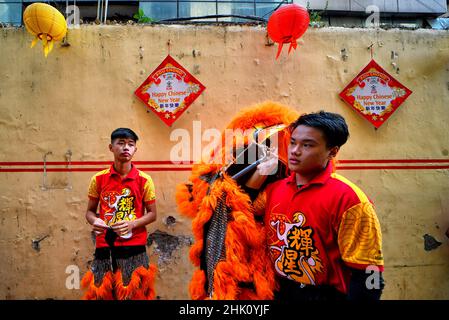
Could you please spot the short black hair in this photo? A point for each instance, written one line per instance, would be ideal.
(332, 125)
(123, 133)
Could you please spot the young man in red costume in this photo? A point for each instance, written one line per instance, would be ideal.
(126, 200)
(323, 233)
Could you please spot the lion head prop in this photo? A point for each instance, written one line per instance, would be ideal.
(229, 251)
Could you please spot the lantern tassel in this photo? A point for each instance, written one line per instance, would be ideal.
(35, 40)
(46, 44)
(50, 47)
(293, 45)
(279, 49)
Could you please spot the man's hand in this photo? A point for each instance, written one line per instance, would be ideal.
(99, 226)
(267, 167)
(270, 165)
(123, 227)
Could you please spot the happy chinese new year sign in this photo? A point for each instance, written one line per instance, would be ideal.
(375, 94)
(169, 90)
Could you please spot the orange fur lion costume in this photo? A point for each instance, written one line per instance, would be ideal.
(119, 277)
(230, 251)
(139, 287)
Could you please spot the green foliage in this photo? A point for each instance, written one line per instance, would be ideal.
(141, 17)
(315, 16)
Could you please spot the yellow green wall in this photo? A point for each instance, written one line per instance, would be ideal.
(74, 99)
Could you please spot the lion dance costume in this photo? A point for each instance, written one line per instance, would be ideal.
(230, 252)
(122, 277)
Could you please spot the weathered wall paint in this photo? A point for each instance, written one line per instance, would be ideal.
(69, 103)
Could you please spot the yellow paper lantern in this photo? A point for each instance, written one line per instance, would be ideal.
(46, 23)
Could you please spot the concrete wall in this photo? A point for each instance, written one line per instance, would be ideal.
(69, 103)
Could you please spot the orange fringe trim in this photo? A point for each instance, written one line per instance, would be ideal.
(103, 292)
(140, 287)
(196, 287)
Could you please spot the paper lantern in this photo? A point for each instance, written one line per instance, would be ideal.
(287, 24)
(46, 23)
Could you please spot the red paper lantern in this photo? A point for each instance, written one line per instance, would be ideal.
(287, 24)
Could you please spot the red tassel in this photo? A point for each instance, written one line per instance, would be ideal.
(279, 49)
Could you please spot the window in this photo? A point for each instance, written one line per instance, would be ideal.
(214, 10)
(11, 12)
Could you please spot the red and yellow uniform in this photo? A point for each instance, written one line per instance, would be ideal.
(121, 270)
(122, 200)
(317, 231)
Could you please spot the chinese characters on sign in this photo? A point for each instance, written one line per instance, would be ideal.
(169, 90)
(375, 94)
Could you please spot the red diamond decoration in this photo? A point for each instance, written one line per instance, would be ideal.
(375, 94)
(169, 90)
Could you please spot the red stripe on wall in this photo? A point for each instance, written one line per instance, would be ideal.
(188, 169)
(86, 163)
(85, 169)
(397, 161)
(95, 166)
(390, 167)
(168, 162)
